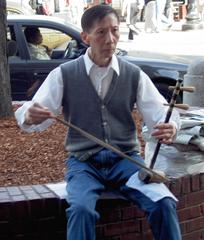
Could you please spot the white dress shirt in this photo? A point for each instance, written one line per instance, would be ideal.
(150, 102)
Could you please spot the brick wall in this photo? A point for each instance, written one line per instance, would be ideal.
(36, 213)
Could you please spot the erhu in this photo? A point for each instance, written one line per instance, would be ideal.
(143, 174)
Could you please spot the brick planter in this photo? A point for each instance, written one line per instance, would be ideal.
(37, 213)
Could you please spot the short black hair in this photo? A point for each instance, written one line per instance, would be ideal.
(96, 13)
(31, 32)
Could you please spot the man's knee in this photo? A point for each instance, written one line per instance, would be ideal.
(80, 210)
(167, 204)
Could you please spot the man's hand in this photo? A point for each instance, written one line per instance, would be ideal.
(164, 132)
(36, 114)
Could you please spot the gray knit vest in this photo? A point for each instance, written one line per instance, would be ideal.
(109, 119)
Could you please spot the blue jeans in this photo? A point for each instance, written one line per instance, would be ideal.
(87, 180)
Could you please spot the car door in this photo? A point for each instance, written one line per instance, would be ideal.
(19, 76)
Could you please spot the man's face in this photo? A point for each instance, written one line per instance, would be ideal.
(103, 38)
(38, 38)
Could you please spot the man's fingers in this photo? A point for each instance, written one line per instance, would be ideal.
(37, 114)
(164, 132)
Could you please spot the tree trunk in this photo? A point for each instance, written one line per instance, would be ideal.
(5, 87)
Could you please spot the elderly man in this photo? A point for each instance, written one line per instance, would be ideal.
(98, 92)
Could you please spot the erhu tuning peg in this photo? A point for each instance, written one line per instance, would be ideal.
(179, 105)
(186, 89)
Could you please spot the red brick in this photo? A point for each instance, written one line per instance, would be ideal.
(63, 206)
(99, 231)
(195, 183)
(23, 227)
(109, 213)
(136, 236)
(44, 225)
(132, 212)
(50, 207)
(122, 227)
(202, 180)
(108, 216)
(202, 207)
(186, 184)
(4, 228)
(5, 211)
(112, 203)
(197, 235)
(36, 208)
(189, 213)
(183, 227)
(61, 223)
(195, 198)
(131, 236)
(182, 202)
(175, 187)
(20, 210)
(147, 236)
(144, 225)
(195, 224)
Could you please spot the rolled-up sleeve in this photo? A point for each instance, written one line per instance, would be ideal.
(48, 95)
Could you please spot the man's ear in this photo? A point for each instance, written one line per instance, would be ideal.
(85, 37)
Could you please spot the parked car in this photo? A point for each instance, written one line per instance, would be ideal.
(27, 74)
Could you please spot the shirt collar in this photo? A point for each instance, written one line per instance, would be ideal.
(89, 63)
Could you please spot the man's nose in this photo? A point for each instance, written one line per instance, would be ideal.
(110, 37)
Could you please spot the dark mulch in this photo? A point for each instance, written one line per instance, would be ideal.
(31, 158)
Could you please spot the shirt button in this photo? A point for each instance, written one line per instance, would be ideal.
(106, 140)
(104, 123)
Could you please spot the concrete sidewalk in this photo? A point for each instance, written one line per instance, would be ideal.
(175, 44)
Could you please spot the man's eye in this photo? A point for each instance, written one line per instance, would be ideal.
(115, 30)
(101, 32)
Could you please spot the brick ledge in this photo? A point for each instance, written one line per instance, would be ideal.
(38, 213)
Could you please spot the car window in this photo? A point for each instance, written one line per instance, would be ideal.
(54, 38)
(49, 42)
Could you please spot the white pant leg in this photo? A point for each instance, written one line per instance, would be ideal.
(150, 16)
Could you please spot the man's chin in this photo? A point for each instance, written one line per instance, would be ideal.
(109, 54)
